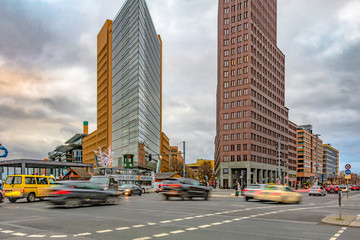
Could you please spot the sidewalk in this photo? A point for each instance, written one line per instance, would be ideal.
(348, 221)
(223, 193)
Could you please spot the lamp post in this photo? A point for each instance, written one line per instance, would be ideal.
(279, 170)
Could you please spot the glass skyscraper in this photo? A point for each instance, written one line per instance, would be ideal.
(136, 86)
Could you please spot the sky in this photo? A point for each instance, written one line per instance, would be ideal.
(48, 71)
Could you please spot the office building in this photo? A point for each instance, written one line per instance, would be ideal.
(309, 153)
(331, 163)
(251, 112)
(136, 85)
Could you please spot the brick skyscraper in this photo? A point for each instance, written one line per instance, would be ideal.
(251, 112)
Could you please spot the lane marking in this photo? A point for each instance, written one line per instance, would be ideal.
(143, 238)
(105, 231)
(178, 219)
(199, 216)
(177, 231)
(151, 224)
(36, 236)
(188, 218)
(191, 229)
(58, 236)
(137, 226)
(227, 221)
(216, 223)
(122, 228)
(166, 221)
(7, 231)
(204, 226)
(161, 235)
(19, 234)
(82, 234)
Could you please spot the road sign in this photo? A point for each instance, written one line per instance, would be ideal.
(287, 177)
(348, 166)
(347, 172)
(347, 176)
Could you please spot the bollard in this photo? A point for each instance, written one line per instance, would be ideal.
(340, 196)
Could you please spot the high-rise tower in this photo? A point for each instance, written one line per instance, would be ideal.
(251, 115)
(136, 85)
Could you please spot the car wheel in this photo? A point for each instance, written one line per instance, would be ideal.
(31, 197)
(112, 200)
(246, 198)
(140, 193)
(72, 202)
(12, 200)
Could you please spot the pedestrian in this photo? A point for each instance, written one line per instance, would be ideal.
(236, 189)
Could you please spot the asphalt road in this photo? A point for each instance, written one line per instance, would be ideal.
(151, 217)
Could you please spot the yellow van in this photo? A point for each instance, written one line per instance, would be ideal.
(27, 186)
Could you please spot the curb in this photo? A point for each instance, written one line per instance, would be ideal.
(347, 221)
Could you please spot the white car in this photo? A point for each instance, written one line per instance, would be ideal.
(317, 190)
(252, 189)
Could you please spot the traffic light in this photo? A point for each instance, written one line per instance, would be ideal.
(150, 156)
(128, 161)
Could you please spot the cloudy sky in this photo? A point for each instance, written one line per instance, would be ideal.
(48, 71)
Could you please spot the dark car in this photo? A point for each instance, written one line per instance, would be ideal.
(78, 193)
(184, 188)
(107, 182)
(130, 189)
(332, 189)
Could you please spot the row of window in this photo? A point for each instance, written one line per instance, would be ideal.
(234, 62)
(237, 93)
(236, 104)
(234, 126)
(235, 83)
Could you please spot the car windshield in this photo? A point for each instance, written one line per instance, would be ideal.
(100, 180)
(127, 186)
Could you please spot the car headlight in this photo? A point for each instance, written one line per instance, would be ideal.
(127, 190)
(106, 188)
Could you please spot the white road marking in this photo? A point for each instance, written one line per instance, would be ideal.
(161, 235)
(82, 234)
(19, 234)
(333, 238)
(143, 238)
(199, 216)
(137, 226)
(36, 236)
(217, 213)
(204, 226)
(337, 235)
(150, 224)
(227, 221)
(105, 231)
(217, 223)
(7, 231)
(58, 236)
(210, 214)
(178, 219)
(167, 221)
(236, 219)
(189, 218)
(122, 228)
(177, 231)
(191, 229)
(344, 228)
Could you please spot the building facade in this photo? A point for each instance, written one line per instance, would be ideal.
(136, 85)
(165, 153)
(309, 155)
(331, 163)
(102, 136)
(251, 113)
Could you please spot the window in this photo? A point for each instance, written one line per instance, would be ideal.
(226, 63)
(245, 147)
(226, 126)
(246, 81)
(238, 114)
(41, 180)
(226, 1)
(239, 92)
(226, 116)
(232, 126)
(245, 48)
(246, 15)
(245, 91)
(238, 125)
(239, 39)
(233, 72)
(238, 147)
(226, 53)
(239, 49)
(226, 10)
(238, 103)
(245, 25)
(238, 136)
(226, 31)
(232, 137)
(226, 42)
(245, 113)
(233, 40)
(17, 180)
(226, 21)
(225, 170)
(239, 71)
(233, 82)
(246, 59)
(239, 17)
(226, 84)
(226, 137)
(232, 115)
(226, 74)
(226, 105)
(246, 37)
(233, 51)
(239, 82)
(226, 148)
(239, 27)
(239, 61)
(233, 62)
(226, 95)
(232, 29)
(29, 180)
(246, 70)
(232, 104)
(245, 137)
(245, 103)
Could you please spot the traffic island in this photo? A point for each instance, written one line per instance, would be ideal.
(344, 221)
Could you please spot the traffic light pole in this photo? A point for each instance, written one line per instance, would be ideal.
(184, 175)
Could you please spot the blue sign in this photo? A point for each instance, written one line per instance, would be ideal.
(347, 172)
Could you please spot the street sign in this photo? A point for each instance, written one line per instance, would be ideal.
(287, 177)
(347, 176)
(348, 166)
(347, 172)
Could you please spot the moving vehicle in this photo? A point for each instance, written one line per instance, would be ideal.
(332, 189)
(278, 193)
(184, 188)
(317, 190)
(343, 188)
(251, 190)
(354, 187)
(78, 193)
(130, 189)
(107, 182)
(28, 186)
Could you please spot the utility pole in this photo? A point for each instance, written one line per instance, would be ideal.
(184, 175)
(279, 171)
(317, 164)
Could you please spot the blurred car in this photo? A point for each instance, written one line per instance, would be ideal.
(354, 187)
(317, 190)
(343, 188)
(332, 189)
(252, 189)
(78, 193)
(184, 188)
(130, 189)
(278, 193)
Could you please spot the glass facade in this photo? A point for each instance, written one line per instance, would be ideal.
(136, 83)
